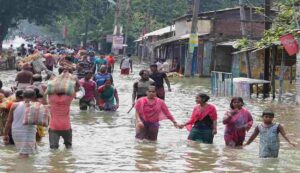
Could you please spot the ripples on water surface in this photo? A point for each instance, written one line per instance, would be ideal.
(104, 141)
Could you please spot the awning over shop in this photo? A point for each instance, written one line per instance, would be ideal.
(176, 38)
(228, 43)
(158, 32)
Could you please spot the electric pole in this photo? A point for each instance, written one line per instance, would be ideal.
(128, 23)
(297, 84)
(145, 30)
(193, 35)
(117, 30)
(268, 25)
(244, 34)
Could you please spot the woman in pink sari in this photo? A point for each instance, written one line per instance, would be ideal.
(238, 120)
(149, 111)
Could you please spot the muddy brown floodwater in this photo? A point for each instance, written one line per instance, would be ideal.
(104, 141)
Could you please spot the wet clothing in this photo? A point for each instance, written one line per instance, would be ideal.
(268, 140)
(236, 127)
(54, 136)
(202, 136)
(140, 87)
(153, 112)
(60, 112)
(110, 62)
(149, 132)
(158, 78)
(89, 88)
(84, 67)
(23, 135)
(201, 123)
(84, 104)
(202, 131)
(160, 92)
(99, 62)
(125, 65)
(88, 99)
(107, 97)
(100, 78)
(125, 71)
(150, 114)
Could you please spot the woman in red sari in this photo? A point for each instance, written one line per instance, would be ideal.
(238, 120)
(203, 123)
(149, 111)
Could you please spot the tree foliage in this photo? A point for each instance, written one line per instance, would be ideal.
(285, 22)
(40, 12)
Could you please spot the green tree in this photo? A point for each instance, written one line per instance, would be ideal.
(40, 12)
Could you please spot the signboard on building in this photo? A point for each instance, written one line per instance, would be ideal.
(109, 38)
(193, 42)
(290, 44)
(118, 42)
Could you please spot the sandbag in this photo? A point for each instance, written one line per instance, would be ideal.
(38, 66)
(62, 84)
(36, 114)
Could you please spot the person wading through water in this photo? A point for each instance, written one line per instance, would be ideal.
(149, 111)
(159, 78)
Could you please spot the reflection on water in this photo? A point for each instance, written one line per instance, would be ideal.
(104, 141)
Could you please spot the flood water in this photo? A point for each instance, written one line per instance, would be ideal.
(104, 141)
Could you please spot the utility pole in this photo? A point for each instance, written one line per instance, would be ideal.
(128, 23)
(244, 34)
(117, 23)
(297, 84)
(268, 25)
(193, 35)
(145, 30)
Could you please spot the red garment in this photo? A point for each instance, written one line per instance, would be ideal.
(110, 60)
(208, 110)
(236, 127)
(125, 71)
(50, 61)
(60, 112)
(89, 87)
(153, 112)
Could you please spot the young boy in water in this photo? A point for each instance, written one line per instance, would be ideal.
(269, 138)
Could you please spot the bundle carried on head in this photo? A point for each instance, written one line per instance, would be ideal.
(62, 84)
(31, 58)
(6, 102)
(35, 60)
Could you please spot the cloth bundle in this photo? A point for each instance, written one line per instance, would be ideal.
(36, 114)
(62, 84)
(38, 66)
